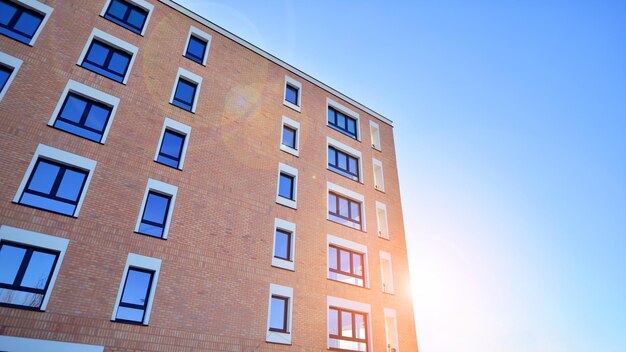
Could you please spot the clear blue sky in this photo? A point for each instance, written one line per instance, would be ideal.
(510, 126)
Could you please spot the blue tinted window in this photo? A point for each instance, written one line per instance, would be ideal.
(291, 94)
(132, 307)
(285, 186)
(5, 73)
(185, 94)
(289, 137)
(196, 49)
(171, 148)
(343, 164)
(83, 117)
(54, 187)
(107, 61)
(342, 123)
(18, 22)
(282, 247)
(127, 15)
(25, 274)
(278, 314)
(154, 214)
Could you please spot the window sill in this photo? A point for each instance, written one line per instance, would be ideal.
(190, 59)
(145, 234)
(286, 202)
(128, 322)
(283, 264)
(292, 106)
(383, 237)
(128, 29)
(340, 174)
(290, 150)
(101, 75)
(380, 190)
(43, 209)
(347, 283)
(389, 293)
(343, 133)
(171, 167)
(183, 109)
(348, 226)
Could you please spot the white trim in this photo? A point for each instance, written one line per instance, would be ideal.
(191, 77)
(331, 187)
(292, 171)
(350, 305)
(352, 246)
(391, 313)
(114, 42)
(349, 112)
(280, 224)
(384, 256)
(295, 84)
(383, 228)
(23, 344)
(272, 58)
(202, 35)
(141, 3)
(379, 184)
(273, 336)
(375, 137)
(140, 262)
(348, 150)
(296, 126)
(163, 188)
(15, 64)
(43, 9)
(62, 157)
(175, 126)
(90, 93)
(36, 239)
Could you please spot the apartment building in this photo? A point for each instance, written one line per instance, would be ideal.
(167, 186)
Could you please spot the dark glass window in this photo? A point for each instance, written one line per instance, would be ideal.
(278, 313)
(25, 274)
(291, 94)
(347, 330)
(5, 73)
(154, 214)
(289, 137)
(185, 94)
(171, 150)
(342, 122)
(282, 246)
(344, 211)
(285, 186)
(343, 164)
(127, 15)
(106, 60)
(196, 49)
(346, 266)
(55, 187)
(19, 22)
(134, 301)
(83, 117)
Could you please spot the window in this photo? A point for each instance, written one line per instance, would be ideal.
(279, 315)
(22, 344)
(375, 135)
(108, 56)
(23, 20)
(284, 244)
(30, 263)
(391, 330)
(347, 261)
(386, 272)
(198, 44)
(349, 325)
(287, 186)
(56, 181)
(136, 293)
(9, 66)
(381, 217)
(186, 90)
(343, 119)
(156, 210)
(173, 144)
(290, 137)
(132, 15)
(293, 94)
(344, 160)
(346, 207)
(85, 112)
(379, 179)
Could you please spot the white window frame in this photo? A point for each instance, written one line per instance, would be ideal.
(43, 9)
(140, 262)
(391, 313)
(386, 256)
(349, 112)
(378, 187)
(23, 344)
(114, 42)
(375, 136)
(330, 142)
(39, 240)
(292, 82)
(296, 126)
(354, 247)
(280, 224)
(90, 93)
(178, 127)
(62, 157)
(190, 77)
(331, 187)
(274, 336)
(162, 188)
(13, 63)
(383, 231)
(141, 3)
(291, 171)
(197, 32)
(354, 306)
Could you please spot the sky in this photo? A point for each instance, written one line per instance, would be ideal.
(510, 131)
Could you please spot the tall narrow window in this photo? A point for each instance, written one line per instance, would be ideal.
(293, 94)
(186, 89)
(379, 178)
(391, 330)
(284, 244)
(381, 217)
(386, 272)
(290, 136)
(287, 186)
(344, 211)
(5, 73)
(9, 66)
(198, 43)
(173, 144)
(346, 266)
(136, 293)
(108, 56)
(23, 20)
(375, 135)
(156, 211)
(347, 330)
(128, 14)
(279, 314)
